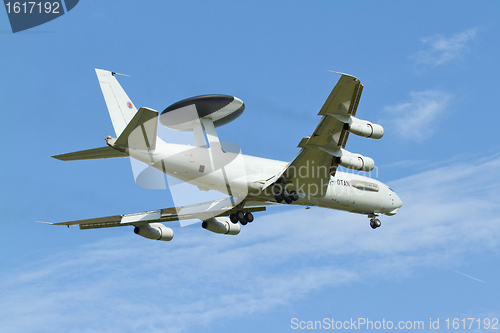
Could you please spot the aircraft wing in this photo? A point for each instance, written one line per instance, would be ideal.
(202, 211)
(313, 166)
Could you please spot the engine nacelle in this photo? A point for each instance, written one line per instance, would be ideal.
(221, 225)
(354, 161)
(364, 128)
(155, 231)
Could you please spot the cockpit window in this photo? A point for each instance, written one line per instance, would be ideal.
(391, 190)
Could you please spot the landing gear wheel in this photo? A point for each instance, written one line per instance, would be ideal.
(294, 195)
(240, 215)
(287, 198)
(249, 217)
(375, 223)
(278, 198)
(233, 218)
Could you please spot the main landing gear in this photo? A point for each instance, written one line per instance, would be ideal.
(241, 217)
(375, 223)
(283, 195)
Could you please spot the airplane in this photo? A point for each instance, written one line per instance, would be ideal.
(248, 184)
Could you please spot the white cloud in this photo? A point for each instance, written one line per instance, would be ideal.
(130, 284)
(417, 118)
(443, 50)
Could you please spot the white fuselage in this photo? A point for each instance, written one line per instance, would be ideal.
(245, 176)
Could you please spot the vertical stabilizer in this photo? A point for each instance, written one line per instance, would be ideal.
(120, 107)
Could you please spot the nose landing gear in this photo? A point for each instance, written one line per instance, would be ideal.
(375, 223)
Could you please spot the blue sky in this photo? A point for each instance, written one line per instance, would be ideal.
(431, 75)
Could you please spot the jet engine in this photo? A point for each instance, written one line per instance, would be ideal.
(154, 231)
(221, 225)
(354, 161)
(364, 128)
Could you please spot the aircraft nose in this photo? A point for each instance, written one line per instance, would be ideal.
(397, 201)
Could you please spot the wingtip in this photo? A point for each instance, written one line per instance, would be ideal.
(343, 74)
(44, 222)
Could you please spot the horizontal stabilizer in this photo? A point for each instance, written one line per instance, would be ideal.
(140, 132)
(91, 154)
